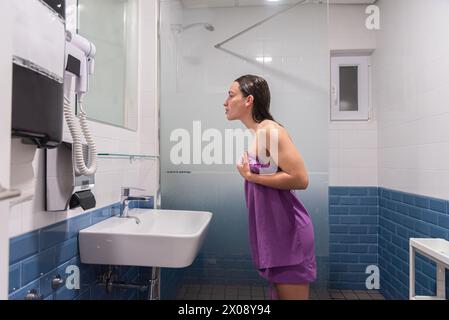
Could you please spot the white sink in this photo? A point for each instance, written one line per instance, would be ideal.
(164, 238)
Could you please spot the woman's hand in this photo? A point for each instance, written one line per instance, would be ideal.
(243, 167)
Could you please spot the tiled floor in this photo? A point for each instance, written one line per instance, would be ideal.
(238, 292)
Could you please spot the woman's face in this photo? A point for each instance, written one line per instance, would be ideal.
(236, 105)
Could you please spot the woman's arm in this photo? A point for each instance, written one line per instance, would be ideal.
(293, 174)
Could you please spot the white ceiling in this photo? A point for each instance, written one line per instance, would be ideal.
(192, 4)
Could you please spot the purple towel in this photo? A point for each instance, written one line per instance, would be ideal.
(280, 228)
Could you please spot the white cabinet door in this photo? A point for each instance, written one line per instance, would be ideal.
(5, 137)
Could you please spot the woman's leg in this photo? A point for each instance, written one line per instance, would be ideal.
(292, 291)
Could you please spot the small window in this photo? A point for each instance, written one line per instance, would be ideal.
(350, 88)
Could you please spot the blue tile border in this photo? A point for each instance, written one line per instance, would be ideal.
(14, 277)
(38, 256)
(353, 238)
(23, 246)
(38, 265)
(389, 222)
(54, 234)
(368, 226)
(402, 216)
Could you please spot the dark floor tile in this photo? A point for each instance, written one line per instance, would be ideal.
(350, 295)
(242, 292)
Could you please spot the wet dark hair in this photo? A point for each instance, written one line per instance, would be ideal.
(258, 88)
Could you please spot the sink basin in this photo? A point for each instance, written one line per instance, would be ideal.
(164, 238)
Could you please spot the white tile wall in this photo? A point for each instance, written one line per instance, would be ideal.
(5, 91)
(353, 144)
(5, 129)
(27, 167)
(411, 74)
(347, 29)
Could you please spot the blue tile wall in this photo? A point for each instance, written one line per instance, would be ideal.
(39, 256)
(23, 246)
(353, 238)
(370, 225)
(403, 216)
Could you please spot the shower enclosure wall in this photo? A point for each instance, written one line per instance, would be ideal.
(290, 50)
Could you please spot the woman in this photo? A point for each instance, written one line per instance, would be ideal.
(280, 228)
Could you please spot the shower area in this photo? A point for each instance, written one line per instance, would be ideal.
(204, 46)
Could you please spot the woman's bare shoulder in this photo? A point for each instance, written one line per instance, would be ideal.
(282, 134)
(269, 124)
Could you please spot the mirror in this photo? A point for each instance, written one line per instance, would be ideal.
(112, 25)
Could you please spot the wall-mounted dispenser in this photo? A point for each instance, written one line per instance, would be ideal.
(38, 71)
(65, 188)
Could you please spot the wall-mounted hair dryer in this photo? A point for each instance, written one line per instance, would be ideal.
(80, 64)
(80, 54)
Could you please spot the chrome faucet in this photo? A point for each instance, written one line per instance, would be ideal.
(125, 198)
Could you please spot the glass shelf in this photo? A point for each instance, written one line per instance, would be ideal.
(128, 156)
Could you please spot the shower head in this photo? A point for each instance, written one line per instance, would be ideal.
(206, 26)
(209, 27)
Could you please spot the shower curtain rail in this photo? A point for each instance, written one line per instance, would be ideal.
(218, 45)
